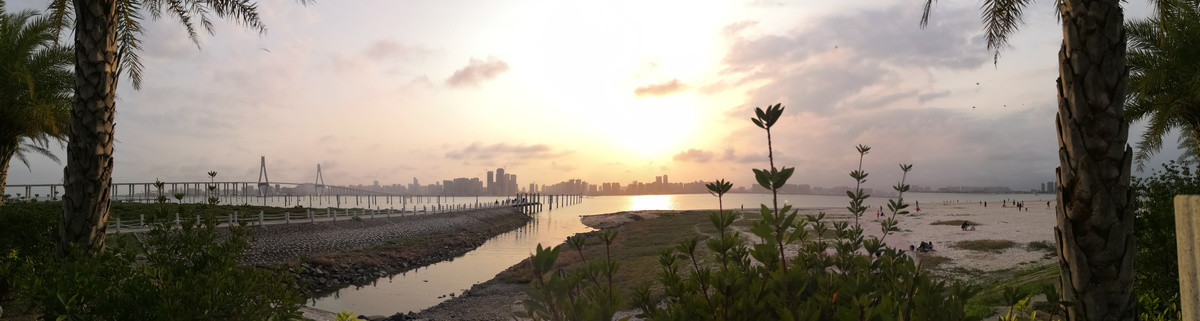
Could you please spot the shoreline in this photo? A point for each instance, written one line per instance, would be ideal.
(495, 299)
(329, 256)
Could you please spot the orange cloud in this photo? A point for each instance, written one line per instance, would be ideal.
(661, 89)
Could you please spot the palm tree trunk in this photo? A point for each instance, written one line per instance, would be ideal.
(8, 148)
(90, 141)
(1095, 216)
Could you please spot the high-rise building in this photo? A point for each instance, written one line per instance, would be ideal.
(490, 179)
(665, 181)
(501, 182)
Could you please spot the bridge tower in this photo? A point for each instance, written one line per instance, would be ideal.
(320, 182)
(264, 183)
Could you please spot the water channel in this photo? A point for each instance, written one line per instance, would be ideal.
(422, 288)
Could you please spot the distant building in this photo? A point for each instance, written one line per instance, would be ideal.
(501, 183)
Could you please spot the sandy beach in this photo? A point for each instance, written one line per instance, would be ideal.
(994, 222)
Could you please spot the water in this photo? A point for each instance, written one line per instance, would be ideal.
(425, 287)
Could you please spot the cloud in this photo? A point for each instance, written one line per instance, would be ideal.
(387, 48)
(924, 97)
(477, 71)
(479, 152)
(865, 59)
(562, 167)
(660, 89)
(733, 29)
(694, 155)
(421, 81)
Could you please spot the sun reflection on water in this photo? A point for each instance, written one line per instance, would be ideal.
(650, 202)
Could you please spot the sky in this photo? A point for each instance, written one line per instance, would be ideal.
(604, 91)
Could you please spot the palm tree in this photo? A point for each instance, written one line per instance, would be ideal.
(1094, 233)
(1164, 77)
(107, 40)
(35, 87)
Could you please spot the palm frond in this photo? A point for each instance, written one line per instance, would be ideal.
(1001, 18)
(61, 14)
(1164, 88)
(37, 146)
(37, 81)
(925, 13)
(1188, 144)
(129, 43)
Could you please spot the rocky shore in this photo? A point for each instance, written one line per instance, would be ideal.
(332, 255)
(495, 299)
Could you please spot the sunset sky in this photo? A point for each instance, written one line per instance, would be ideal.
(604, 91)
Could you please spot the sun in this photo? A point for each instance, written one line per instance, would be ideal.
(652, 127)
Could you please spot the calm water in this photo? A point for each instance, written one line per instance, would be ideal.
(423, 288)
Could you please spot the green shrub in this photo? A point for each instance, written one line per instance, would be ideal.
(1041, 246)
(181, 272)
(953, 222)
(29, 228)
(1156, 263)
(991, 246)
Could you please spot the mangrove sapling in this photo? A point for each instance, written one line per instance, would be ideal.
(896, 206)
(857, 197)
(586, 293)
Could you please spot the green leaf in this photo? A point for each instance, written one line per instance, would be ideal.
(763, 177)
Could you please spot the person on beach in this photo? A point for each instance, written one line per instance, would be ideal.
(985, 204)
(966, 226)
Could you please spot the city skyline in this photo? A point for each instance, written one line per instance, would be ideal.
(602, 91)
(475, 186)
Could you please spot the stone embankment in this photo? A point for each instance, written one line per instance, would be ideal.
(332, 255)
